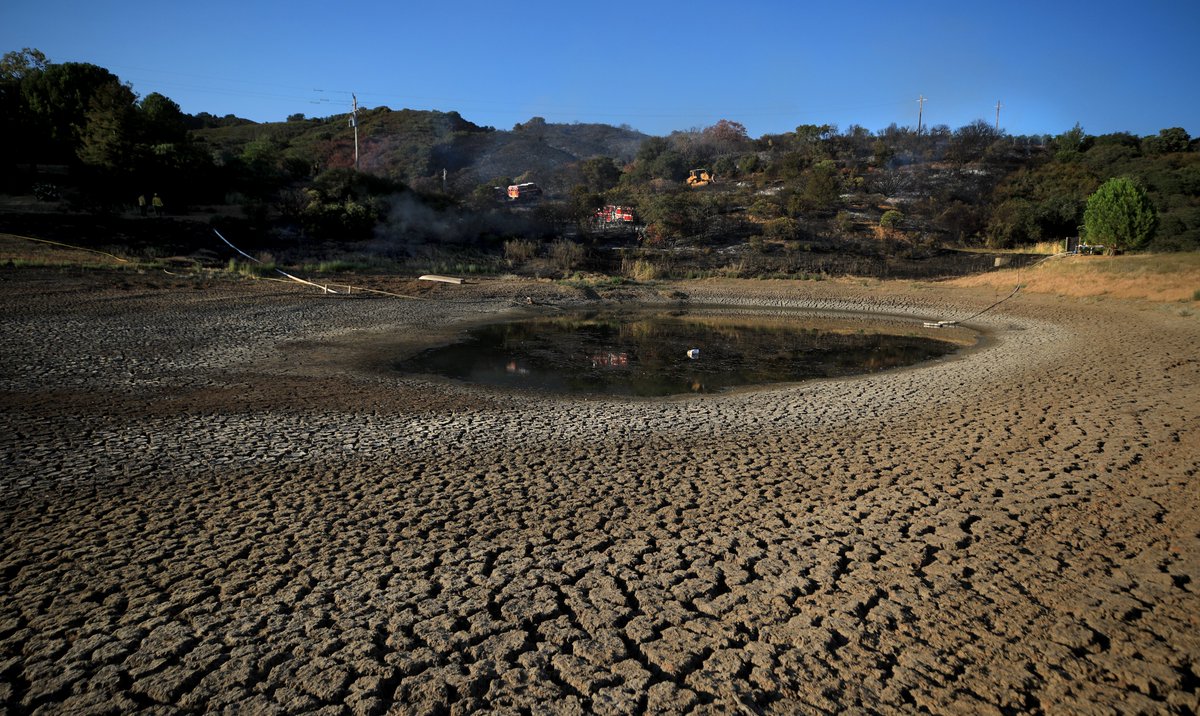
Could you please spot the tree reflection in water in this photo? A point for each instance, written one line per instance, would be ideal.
(645, 353)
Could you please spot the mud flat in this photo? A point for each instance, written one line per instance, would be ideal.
(213, 498)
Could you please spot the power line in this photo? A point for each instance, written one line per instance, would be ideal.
(243, 88)
(287, 92)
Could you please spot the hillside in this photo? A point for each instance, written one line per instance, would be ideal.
(816, 199)
(539, 151)
(415, 145)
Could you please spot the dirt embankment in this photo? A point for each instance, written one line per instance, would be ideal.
(210, 498)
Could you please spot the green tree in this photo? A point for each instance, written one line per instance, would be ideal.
(161, 119)
(970, 142)
(348, 219)
(781, 229)
(891, 219)
(485, 195)
(813, 133)
(960, 220)
(1042, 203)
(106, 139)
(669, 165)
(822, 190)
(59, 99)
(583, 202)
(790, 166)
(658, 159)
(725, 167)
(651, 148)
(15, 66)
(1119, 216)
(600, 173)
(1174, 139)
(345, 204)
(676, 214)
(1071, 143)
(749, 164)
(262, 155)
(15, 118)
(1013, 222)
(882, 152)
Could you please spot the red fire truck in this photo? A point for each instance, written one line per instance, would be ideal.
(613, 215)
(528, 190)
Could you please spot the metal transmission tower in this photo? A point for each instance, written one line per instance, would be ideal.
(920, 111)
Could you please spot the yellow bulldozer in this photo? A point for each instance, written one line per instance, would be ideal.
(700, 177)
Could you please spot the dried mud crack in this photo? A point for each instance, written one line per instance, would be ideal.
(211, 499)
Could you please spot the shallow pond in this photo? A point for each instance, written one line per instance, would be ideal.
(657, 353)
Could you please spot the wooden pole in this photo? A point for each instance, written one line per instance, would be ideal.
(354, 121)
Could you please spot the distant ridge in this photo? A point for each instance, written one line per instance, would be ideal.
(414, 145)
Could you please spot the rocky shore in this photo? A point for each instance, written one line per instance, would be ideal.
(214, 496)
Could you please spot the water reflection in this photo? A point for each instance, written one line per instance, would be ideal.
(650, 354)
(610, 360)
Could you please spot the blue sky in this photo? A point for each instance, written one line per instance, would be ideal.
(657, 66)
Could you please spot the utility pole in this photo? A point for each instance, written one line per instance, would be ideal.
(998, 106)
(354, 123)
(920, 111)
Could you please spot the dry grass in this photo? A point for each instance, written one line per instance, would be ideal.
(1149, 277)
(27, 251)
(565, 254)
(639, 269)
(1043, 247)
(519, 250)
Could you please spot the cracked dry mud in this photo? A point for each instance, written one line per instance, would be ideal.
(212, 500)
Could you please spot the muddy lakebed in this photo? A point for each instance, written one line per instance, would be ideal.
(656, 351)
(221, 496)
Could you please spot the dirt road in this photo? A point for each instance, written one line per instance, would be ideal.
(214, 497)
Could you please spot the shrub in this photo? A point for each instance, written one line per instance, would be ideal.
(639, 269)
(749, 164)
(783, 229)
(347, 219)
(565, 255)
(843, 223)
(765, 208)
(257, 270)
(655, 234)
(518, 250)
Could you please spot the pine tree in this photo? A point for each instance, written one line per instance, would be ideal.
(1119, 216)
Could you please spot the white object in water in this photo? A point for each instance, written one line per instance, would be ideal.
(693, 353)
